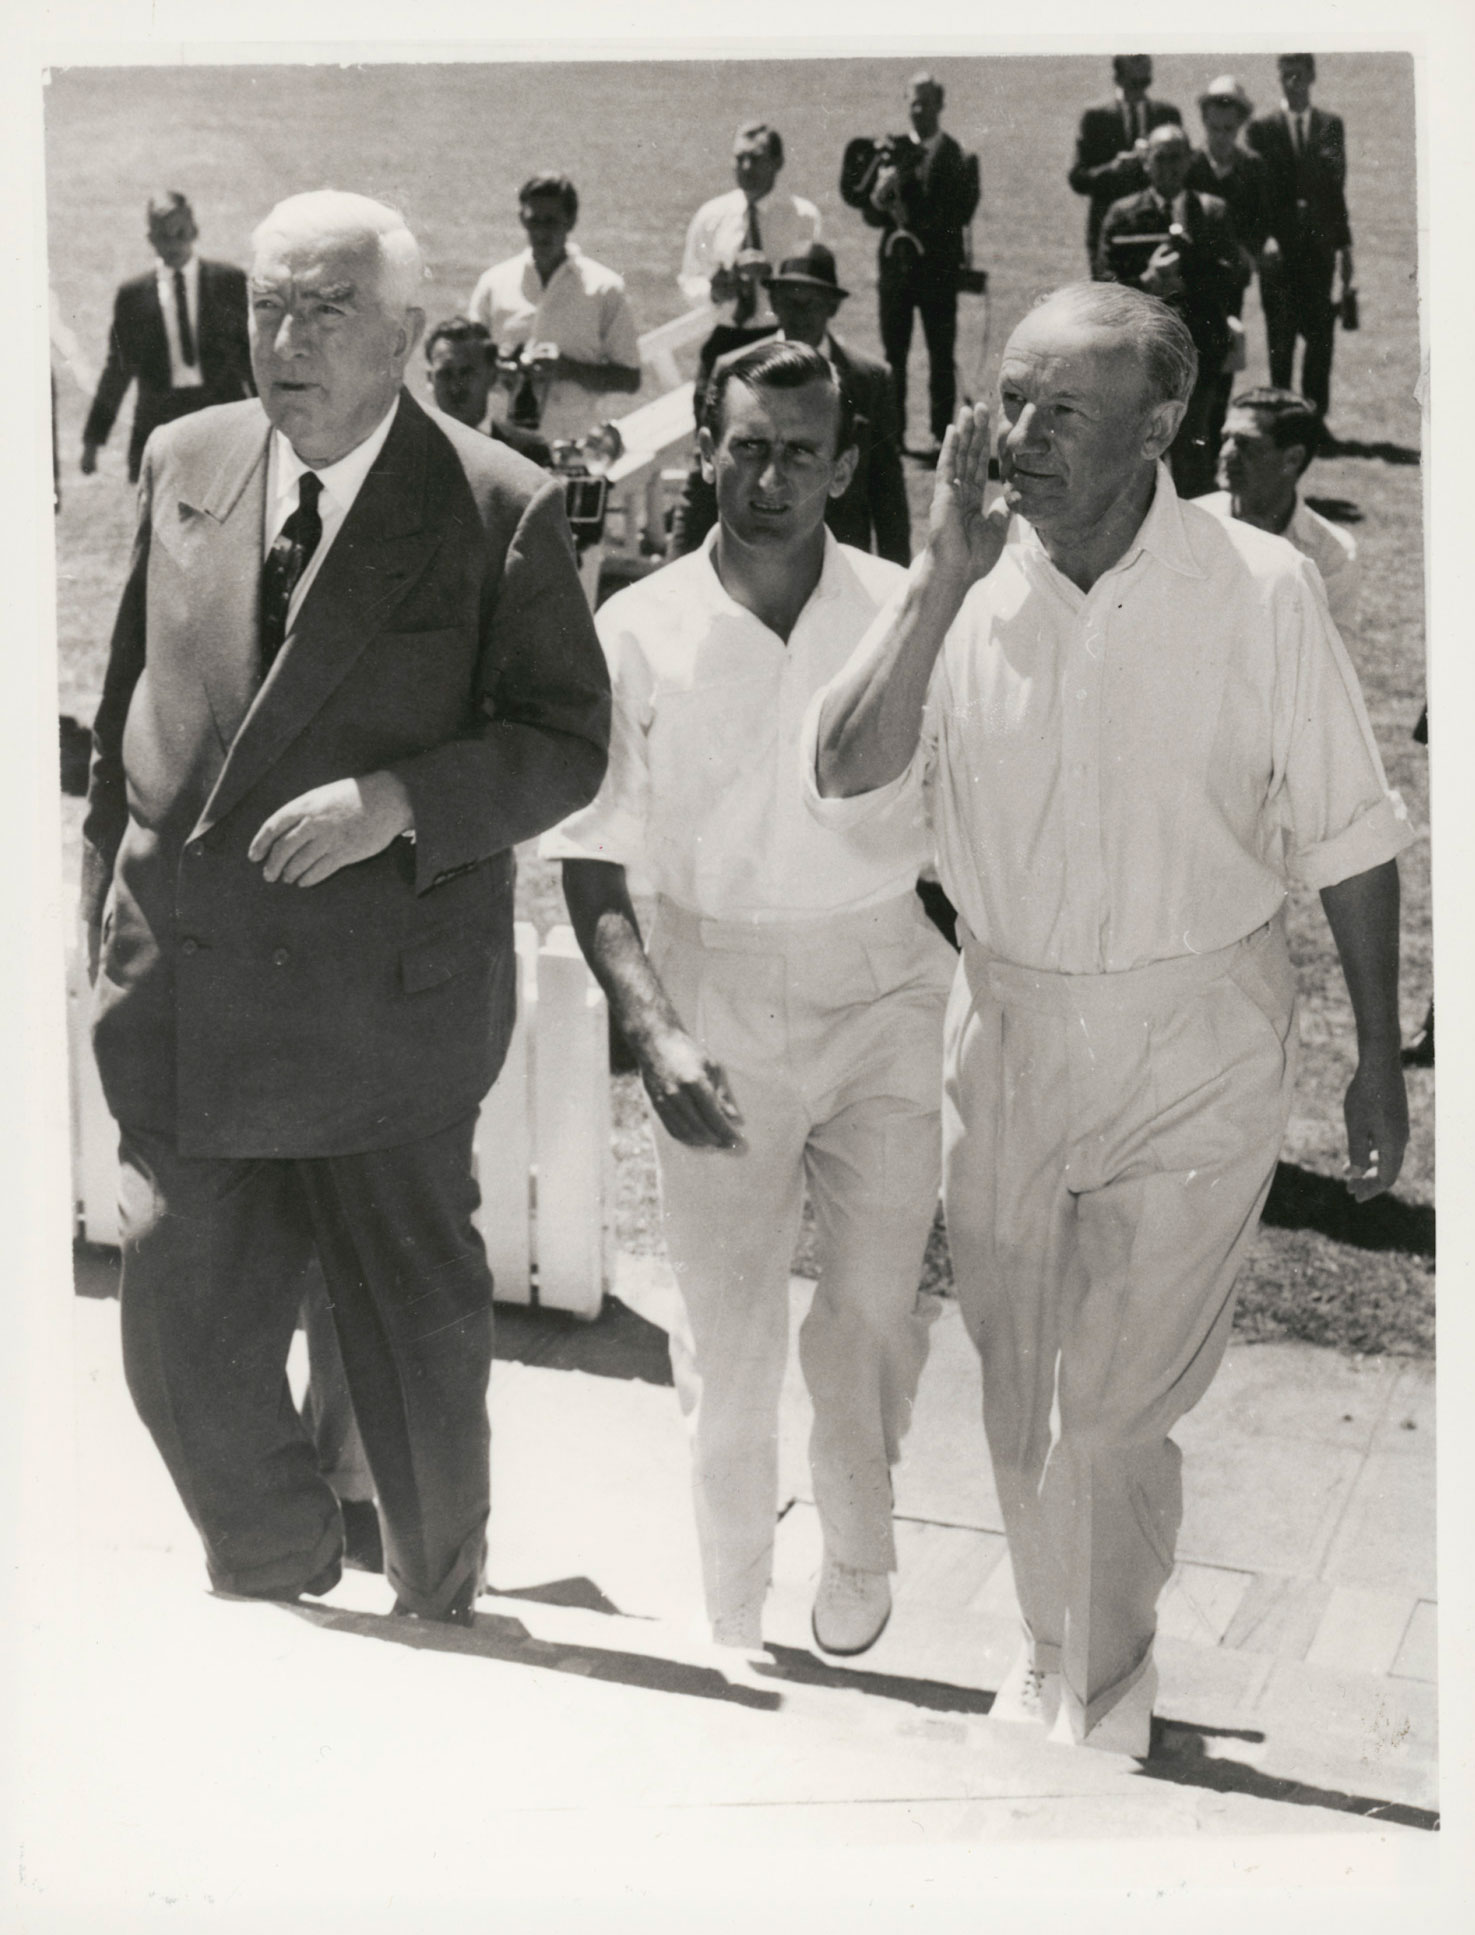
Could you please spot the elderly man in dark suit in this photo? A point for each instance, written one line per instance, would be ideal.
(871, 513)
(1310, 240)
(352, 667)
(1111, 142)
(179, 332)
(922, 197)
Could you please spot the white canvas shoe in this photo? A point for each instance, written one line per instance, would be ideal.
(851, 1609)
(1125, 1729)
(1027, 1696)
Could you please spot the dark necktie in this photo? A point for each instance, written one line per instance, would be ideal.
(747, 299)
(285, 563)
(181, 314)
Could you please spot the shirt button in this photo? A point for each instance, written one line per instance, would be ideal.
(280, 957)
(189, 947)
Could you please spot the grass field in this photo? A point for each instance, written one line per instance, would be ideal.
(646, 143)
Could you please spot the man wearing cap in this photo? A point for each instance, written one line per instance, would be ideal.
(1112, 141)
(1310, 239)
(787, 1016)
(1180, 246)
(735, 238)
(1269, 439)
(179, 332)
(922, 201)
(871, 512)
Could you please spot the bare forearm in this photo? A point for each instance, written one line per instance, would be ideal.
(1363, 915)
(608, 932)
(872, 716)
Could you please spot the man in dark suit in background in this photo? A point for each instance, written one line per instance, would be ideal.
(1310, 241)
(460, 354)
(922, 199)
(1180, 246)
(1111, 142)
(871, 513)
(352, 668)
(179, 332)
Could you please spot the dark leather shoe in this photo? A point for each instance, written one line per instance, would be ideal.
(460, 1612)
(363, 1541)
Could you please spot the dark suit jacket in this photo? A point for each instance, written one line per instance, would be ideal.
(874, 504)
(138, 351)
(1308, 205)
(1210, 265)
(1106, 166)
(1244, 191)
(445, 638)
(939, 204)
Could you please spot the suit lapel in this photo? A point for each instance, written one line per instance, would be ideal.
(383, 547)
(226, 517)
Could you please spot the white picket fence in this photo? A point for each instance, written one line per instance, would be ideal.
(542, 1147)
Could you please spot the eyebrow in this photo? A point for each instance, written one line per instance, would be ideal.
(330, 292)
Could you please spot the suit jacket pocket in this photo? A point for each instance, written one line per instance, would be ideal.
(440, 957)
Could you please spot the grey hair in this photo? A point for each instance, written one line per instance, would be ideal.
(1159, 335)
(325, 214)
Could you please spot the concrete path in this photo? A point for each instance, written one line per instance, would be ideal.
(224, 1759)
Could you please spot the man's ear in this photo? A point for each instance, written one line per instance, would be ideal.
(844, 470)
(1161, 427)
(707, 452)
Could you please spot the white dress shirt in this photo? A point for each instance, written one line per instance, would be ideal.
(787, 224)
(1137, 772)
(582, 308)
(1331, 549)
(341, 484)
(703, 800)
(182, 375)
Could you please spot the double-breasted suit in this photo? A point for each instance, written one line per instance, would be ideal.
(1307, 216)
(299, 1068)
(138, 351)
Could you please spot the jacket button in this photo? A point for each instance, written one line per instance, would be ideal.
(197, 849)
(189, 947)
(280, 957)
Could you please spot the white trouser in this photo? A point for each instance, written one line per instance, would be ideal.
(1108, 1141)
(830, 1032)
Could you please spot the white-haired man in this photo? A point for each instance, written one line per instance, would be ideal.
(1141, 729)
(351, 668)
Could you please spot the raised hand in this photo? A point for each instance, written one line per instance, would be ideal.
(963, 538)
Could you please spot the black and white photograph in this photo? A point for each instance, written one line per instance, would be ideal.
(726, 1144)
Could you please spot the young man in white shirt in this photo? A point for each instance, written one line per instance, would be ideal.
(568, 314)
(787, 1015)
(1267, 444)
(1139, 727)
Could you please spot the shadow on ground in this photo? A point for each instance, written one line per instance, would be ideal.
(1383, 453)
(1301, 1199)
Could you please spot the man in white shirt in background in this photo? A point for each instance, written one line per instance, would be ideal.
(1141, 729)
(1266, 447)
(736, 239)
(568, 314)
(787, 1015)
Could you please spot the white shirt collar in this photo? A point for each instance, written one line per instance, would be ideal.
(1161, 533)
(718, 598)
(190, 271)
(341, 481)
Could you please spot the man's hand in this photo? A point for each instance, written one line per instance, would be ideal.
(963, 540)
(333, 826)
(89, 459)
(1344, 269)
(1163, 275)
(689, 1092)
(1377, 1123)
(726, 283)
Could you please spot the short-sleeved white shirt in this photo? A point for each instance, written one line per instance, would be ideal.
(787, 224)
(582, 307)
(703, 800)
(1137, 772)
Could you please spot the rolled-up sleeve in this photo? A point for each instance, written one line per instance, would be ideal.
(858, 808)
(1341, 816)
(613, 826)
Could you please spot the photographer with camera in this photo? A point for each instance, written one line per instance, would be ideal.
(1180, 246)
(562, 323)
(921, 191)
(735, 239)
